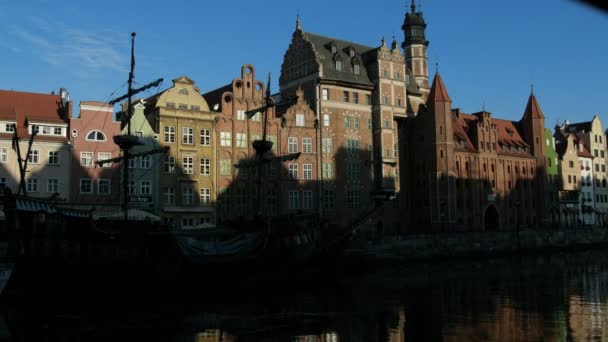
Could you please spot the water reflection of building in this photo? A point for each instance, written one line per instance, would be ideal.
(214, 335)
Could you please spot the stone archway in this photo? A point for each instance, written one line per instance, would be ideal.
(490, 218)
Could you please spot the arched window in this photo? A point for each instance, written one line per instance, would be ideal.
(183, 91)
(96, 136)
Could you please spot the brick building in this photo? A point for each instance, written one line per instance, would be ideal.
(472, 171)
(91, 139)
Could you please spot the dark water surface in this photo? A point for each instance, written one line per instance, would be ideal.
(530, 298)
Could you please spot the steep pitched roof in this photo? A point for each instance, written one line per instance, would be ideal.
(322, 46)
(507, 132)
(16, 105)
(438, 91)
(533, 108)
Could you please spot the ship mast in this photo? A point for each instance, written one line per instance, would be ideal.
(127, 141)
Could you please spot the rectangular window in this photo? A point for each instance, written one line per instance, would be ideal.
(225, 139)
(356, 123)
(225, 167)
(240, 115)
(169, 196)
(595, 153)
(169, 164)
(293, 171)
(307, 145)
(169, 134)
(53, 157)
(292, 145)
(145, 162)
(32, 185)
(187, 135)
(354, 171)
(131, 189)
(328, 170)
(133, 162)
(326, 120)
(307, 169)
(182, 106)
(103, 187)
(188, 165)
(187, 194)
(327, 145)
(86, 159)
(52, 185)
(325, 93)
(307, 199)
(385, 100)
(353, 199)
(241, 140)
(346, 96)
(205, 166)
(571, 164)
(597, 167)
(328, 199)
(205, 196)
(57, 131)
(347, 122)
(104, 156)
(3, 155)
(602, 153)
(293, 200)
(368, 99)
(300, 120)
(145, 187)
(355, 97)
(205, 137)
(86, 186)
(356, 69)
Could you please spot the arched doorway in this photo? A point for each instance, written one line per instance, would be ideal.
(490, 218)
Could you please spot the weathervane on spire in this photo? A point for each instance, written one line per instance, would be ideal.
(298, 23)
(413, 7)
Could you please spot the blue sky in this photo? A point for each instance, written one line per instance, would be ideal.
(489, 52)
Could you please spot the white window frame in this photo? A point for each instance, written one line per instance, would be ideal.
(32, 185)
(293, 171)
(169, 196)
(90, 181)
(205, 197)
(307, 171)
(326, 120)
(86, 159)
(307, 199)
(240, 115)
(104, 156)
(3, 155)
(205, 166)
(241, 140)
(292, 144)
(225, 139)
(52, 185)
(205, 136)
(187, 135)
(188, 165)
(169, 164)
(109, 186)
(293, 197)
(170, 134)
(306, 145)
(53, 158)
(300, 120)
(187, 194)
(145, 187)
(145, 162)
(325, 94)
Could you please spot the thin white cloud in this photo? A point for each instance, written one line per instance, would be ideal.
(81, 50)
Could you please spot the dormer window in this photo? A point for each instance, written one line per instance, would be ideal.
(356, 69)
(351, 52)
(334, 49)
(96, 136)
(339, 65)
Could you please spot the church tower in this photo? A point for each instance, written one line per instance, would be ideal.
(415, 46)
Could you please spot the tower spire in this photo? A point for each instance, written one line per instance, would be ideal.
(413, 7)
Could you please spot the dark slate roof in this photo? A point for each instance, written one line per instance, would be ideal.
(322, 47)
(575, 127)
(412, 86)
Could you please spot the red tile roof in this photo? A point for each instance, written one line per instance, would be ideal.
(507, 131)
(438, 91)
(533, 109)
(16, 106)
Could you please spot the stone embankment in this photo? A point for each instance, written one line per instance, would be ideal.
(471, 244)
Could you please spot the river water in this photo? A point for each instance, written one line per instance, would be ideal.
(559, 297)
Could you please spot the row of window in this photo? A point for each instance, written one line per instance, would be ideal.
(188, 195)
(293, 171)
(241, 139)
(32, 184)
(103, 186)
(182, 106)
(347, 96)
(188, 136)
(42, 130)
(187, 165)
(292, 145)
(33, 158)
